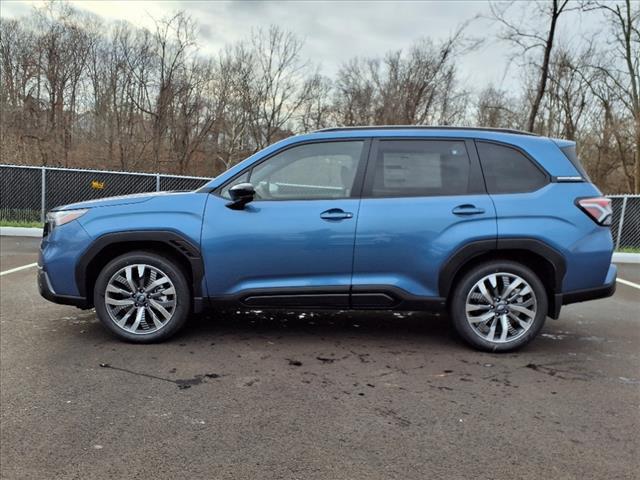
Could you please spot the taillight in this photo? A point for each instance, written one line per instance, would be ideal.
(598, 208)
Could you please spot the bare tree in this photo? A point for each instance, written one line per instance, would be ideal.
(568, 98)
(624, 73)
(527, 38)
(234, 80)
(316, 109)
(278, 86)
(412, 88)
(78, 91)
(495, 108)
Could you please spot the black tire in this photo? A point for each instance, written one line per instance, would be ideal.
(463, 288)
(167, 266)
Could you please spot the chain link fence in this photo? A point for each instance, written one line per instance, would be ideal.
(625, 227)
(26, 193)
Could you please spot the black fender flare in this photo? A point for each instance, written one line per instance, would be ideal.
(474, 249)
(178, 243)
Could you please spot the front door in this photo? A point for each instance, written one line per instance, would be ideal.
(293, 245)
(422, 200)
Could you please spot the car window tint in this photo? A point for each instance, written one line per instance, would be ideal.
(310, 171)
(506, 170)
(420, 168)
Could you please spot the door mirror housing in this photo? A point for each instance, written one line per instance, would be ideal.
(241, 194)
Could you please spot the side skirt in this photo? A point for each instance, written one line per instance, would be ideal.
(361, 297)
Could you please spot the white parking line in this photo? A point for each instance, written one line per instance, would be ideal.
(628, 283)
(17, 269)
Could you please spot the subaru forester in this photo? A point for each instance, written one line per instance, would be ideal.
(500, 228)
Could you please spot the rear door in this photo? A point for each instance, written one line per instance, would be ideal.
(422, 200)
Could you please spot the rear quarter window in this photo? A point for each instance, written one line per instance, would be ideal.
(571, 154)
(507, 170)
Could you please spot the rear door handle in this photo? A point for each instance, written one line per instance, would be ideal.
(467, 209)
(335, 214)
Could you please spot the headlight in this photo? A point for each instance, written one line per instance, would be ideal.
(55, 219)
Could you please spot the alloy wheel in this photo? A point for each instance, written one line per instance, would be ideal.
(140, 299)
(501, 307)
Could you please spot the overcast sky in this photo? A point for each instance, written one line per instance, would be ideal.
(337, 31)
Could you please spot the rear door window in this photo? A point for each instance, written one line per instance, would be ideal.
(409, 168)
(507, 170)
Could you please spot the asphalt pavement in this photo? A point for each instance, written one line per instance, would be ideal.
(313, 395)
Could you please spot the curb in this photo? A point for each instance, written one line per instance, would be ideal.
(618, 257)
(20, 232)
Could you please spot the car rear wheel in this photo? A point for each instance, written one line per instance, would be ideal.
(142, 297)
(499, 306)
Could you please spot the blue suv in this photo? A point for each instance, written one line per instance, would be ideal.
(500, 227)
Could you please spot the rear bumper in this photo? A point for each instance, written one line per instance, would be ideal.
(589, 294)
(47, 292)
(576, 296)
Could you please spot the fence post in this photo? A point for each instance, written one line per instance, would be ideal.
(621, 222)
(43, 189)
(157, 182)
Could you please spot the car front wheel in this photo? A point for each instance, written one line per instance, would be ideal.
(142, 297)
(499, 306)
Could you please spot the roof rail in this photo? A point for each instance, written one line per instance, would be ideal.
(425, 127)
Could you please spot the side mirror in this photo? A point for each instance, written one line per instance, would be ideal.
(241, 194)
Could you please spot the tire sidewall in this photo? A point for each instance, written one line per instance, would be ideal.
(167, 266)
(467, 282)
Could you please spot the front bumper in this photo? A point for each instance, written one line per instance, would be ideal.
(47, 291)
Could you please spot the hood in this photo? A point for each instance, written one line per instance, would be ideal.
(110, 201)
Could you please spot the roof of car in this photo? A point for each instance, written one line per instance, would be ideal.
(425, 127)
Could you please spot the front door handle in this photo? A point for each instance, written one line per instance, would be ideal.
(467, 209)
(335, 214)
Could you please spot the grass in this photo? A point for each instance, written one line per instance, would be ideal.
(19, 223)
(628, 250)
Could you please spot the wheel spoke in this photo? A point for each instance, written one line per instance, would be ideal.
(485, 293)
(525, 291)
(504, 324)
(493, 281)
(492, 330)
(521, 322)
(474, 307)
(154, 317)
(165, 303)
(511, 288)
(113, 289)
(129, 276)
(139, 317)
(157, 283)
(523, 310)
(169, 291)
(123, 302)
(123, 320)
(526, 303)
(481, 318)
(160, 309)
